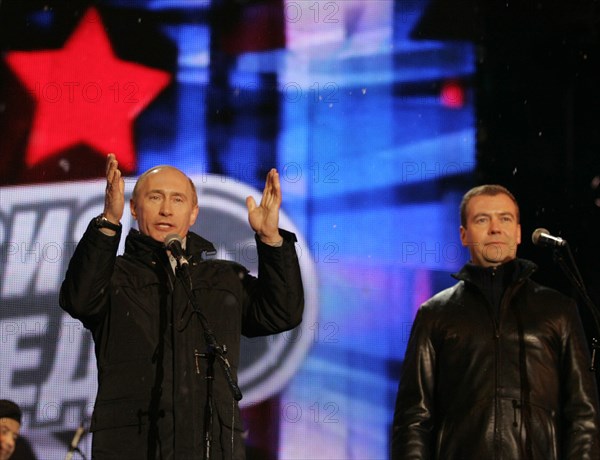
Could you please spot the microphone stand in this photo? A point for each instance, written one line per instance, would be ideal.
(214, 352)
(574, 276)
(70, 453)
(74, 445)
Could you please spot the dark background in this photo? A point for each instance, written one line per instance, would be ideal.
(537, 105)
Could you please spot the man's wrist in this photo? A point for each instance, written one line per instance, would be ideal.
(106, 226)
(276, 244)
(275, 241)
(110, 218)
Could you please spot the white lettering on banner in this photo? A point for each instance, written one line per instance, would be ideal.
(34, 251)
(15, 358)
(63, 386)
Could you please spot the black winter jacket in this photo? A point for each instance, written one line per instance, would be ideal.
(513, 384)
(146, 334)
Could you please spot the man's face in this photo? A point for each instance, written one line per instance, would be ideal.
(164, 204)
(492, 232)
(9, 432)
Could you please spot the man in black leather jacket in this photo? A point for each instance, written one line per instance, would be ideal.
(497, 366)
(149, 342)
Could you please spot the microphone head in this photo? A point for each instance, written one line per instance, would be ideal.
(172, 238)
(535, 237)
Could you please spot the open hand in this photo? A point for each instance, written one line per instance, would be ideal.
(114, 197)
(264, 219)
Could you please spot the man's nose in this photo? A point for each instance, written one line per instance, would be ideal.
(165, 208)
(494, 226)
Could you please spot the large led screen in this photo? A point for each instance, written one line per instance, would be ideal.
(371, 128)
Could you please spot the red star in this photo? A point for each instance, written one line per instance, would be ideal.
(85, 94)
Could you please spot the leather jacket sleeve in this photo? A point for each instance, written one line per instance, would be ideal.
(580, 430)
(413, 425)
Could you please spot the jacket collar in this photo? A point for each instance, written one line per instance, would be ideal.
(147, 249)
(198, 246)
(521, 269)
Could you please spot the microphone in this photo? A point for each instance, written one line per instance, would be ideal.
(173, 243)
(79, 432)
(542, 237)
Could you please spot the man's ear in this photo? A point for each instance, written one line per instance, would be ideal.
(194, 215)
(463, 236)
(132, 209)
(519, 234)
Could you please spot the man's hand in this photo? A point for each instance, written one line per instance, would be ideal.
(114, 197)
(264, 219)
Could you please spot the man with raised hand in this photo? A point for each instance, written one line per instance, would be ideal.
(149, 342)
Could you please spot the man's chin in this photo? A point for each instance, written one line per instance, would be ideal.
(499, 260)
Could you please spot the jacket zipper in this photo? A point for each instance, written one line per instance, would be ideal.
(497, 325)
(499, 416)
